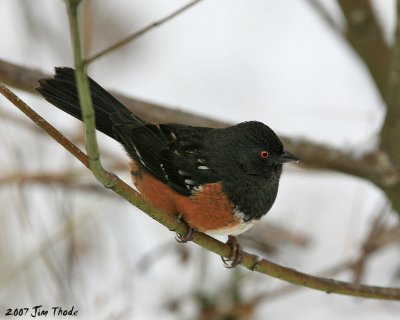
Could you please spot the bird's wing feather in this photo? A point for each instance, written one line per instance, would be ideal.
(174, 154)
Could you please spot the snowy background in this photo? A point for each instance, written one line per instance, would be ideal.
(267, 60)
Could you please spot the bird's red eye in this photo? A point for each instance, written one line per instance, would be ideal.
(264, 154)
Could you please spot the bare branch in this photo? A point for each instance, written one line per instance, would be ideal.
(327, 17)
(249, 261)
(370, 244)
(59, 235)
(141, 32)
(365, 35)
(27, 79)
(391, 127)
(375, 167)
(390, 134)
(46, 179)
(41, 177)
(85, 100)
(19, 76)
(41, 122)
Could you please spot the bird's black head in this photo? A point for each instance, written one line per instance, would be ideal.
(256, 149)
(248, 157)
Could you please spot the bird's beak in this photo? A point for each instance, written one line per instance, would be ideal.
(286, 156)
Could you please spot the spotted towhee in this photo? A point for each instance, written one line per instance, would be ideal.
(219, 181)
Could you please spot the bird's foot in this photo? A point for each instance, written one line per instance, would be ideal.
(236, 256)
(188, 236)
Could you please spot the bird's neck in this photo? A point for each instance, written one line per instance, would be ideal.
(253, 197)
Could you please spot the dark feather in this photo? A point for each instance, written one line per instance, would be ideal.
(163, 150)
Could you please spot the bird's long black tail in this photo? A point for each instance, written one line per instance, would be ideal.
(61, 91)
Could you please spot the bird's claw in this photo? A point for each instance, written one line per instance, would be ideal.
(187, 237)
(236, 255)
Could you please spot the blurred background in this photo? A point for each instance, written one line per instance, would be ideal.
(314, 71)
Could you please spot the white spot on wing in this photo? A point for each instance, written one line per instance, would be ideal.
(203, 167)
(190, 182)
(139, 156)
(165, 174)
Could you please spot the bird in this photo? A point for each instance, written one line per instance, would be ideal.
(219, 181)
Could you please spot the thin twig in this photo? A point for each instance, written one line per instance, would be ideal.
(141, 32)
(64, 180)
(60, 234)
(327, 17)
(26, 79)
(85, 100)
(47, 127)
(19, 77)
(382, 238)
(41, 177)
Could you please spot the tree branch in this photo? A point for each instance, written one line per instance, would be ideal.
(26, 79)
(390, 134)
(326, 16)
(71, 180)
(85, 99)
(365, 35)
(249, 261)
(375, 167)
(20, 77)
(141, 32)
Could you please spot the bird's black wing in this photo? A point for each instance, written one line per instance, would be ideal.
(174, 154)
